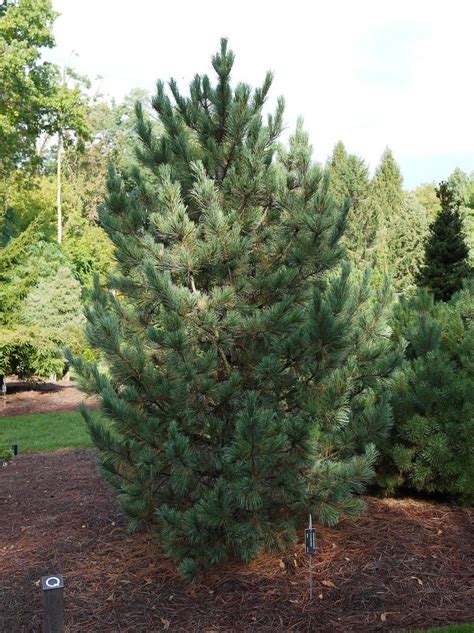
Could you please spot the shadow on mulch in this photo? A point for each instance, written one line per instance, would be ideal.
(405, 564)
(18, 386)
(25, 398)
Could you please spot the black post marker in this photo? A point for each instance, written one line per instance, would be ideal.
(15, 449)
(310, 549)
(53, 603)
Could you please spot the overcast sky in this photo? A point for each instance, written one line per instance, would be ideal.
(371, 73)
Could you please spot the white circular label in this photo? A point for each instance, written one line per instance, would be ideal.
(53, 582)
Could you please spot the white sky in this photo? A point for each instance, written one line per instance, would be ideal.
(371, 73)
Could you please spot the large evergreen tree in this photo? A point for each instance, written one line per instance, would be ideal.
(460, 187)
(349, 180)
(386, 227)
(407, 234)
(383, 208)
(245, 367)
(446, 253)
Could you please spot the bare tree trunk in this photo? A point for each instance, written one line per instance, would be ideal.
(58, 189)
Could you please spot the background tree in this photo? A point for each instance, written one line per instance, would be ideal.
(54, 309)
(385, 204)
(69, 123)
(386, 226)
(24, 350)
(348, 176)
(26, 83)
(426, 197)
(240, 353)
(349, 180)
(55, 303)
(446, 253)
(430, 447)
(406, 237)
(460, 188)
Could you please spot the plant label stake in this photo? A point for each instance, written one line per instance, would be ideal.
(310, 549)
(53, 604)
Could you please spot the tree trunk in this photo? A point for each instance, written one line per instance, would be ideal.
(58, 190)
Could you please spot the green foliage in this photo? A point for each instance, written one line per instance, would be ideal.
(446, 254)
(26, 82)
(69, 108)
(86, 247)
(49, 317)
(386, 227)
(88, 250)
(430, 449)
(426, 196)
(348, 176)
(55, 305)
(6, 454)
(408, 231)
(28, 352)
(242, 357)
(40, 307)
(112, 139)
(450, 628)
(461, 190)
(384, 206)
(349, 181)
(25, 261)
(34, 98)
(32, 199)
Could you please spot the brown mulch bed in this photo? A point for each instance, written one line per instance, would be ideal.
(42, 397)
(405, 564)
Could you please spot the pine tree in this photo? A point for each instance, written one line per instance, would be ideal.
(245, 366)
(446, 254)
(430, 446)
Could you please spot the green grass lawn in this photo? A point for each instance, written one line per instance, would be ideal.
(44, 432)
(452, 628)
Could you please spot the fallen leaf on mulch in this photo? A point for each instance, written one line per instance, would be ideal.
(328, 583)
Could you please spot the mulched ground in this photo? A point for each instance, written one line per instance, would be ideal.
(42, 397)
(406, 564)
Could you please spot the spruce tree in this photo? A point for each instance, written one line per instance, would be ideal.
(459, 188)
(348, 177)
(383, 207)
(349, 181)
(446, 263)
(386, 226)
(245, 367)
(55, 304)
(407, 235)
